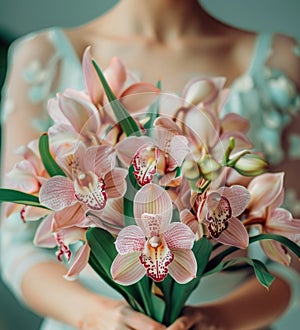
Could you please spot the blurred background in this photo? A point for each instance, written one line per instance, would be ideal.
(19, 17)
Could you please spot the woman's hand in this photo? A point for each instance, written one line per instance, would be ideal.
(198, 318)
(107, 314)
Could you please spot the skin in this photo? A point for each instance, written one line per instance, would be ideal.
(147, 34)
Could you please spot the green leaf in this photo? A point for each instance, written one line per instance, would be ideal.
(159, 307)
(103, 252)
(132, 188)
(261, 272)
(49, 163)
(153, 111)
(279, 238)
(176, 294)
(127, 123)
(19, 197)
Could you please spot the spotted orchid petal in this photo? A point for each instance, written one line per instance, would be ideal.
(57, 193)
(184, 266)
(235, 234)
(152, 199)
(127, 269)
(156, 258)
(31, 213)
(90, 190)
(127, 148)
(130, 239)
(238, 197)
(144, 164)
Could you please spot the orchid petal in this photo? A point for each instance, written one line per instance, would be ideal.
(234, 122)
(235, 234)
(115, 183)
(156, 258)
(31, 213)
(138, 96)
(127, 148)
(238, 197)
(275, 251)
(91, 78)
(90, 191)
(79, 263)
(281, 221)
(57, 193)
(44, 236)
(115, 75)
(188, 218)
(264, 190)
(184, 266)
(153, 199)
(68, 217)
(99, 159)
(130, 239)
(127, 269)
(179, 236)
(81, 114)
(178, 149)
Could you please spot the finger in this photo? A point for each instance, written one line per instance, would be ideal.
(186, 321)
(139, 321)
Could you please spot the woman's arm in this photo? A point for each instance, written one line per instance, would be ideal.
(250, 307)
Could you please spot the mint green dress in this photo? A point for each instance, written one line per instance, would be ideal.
(262, 94)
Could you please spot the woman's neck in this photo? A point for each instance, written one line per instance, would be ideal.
(161, 20)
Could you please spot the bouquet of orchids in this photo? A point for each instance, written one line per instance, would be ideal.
(146, 186)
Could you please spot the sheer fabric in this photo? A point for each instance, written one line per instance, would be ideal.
(263, 94)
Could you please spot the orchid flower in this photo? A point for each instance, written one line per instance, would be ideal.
(75, 119)
(264, 212)
(28, 176)
(218, 210)
(159, 157)
(133, 94)
(154, 246)
(94, 180)
(62, 238)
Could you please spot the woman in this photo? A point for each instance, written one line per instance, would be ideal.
(173, 40)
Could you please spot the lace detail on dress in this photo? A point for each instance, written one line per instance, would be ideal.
(270, 100)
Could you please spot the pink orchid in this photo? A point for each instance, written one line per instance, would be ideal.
(160, 157)
(75, 119)
(155, 246)
(219, 210)
(94, 180)
(133, 94)
(62, 238)
(264, 212)
(27, 176)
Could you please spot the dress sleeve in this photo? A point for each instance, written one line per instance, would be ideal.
(32, 77)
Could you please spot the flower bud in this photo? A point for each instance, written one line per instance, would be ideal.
(190, 170)
(209, 167)
(251, 165)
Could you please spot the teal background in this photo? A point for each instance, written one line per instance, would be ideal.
(18, 17)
